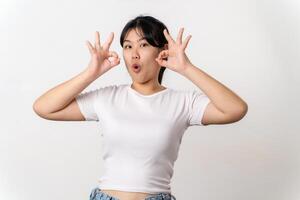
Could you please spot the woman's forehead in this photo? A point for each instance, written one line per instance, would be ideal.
(134, 35)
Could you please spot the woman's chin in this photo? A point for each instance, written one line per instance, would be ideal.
(139, 80)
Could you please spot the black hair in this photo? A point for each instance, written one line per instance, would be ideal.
(152, 30)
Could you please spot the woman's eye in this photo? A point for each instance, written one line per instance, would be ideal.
(128, 46)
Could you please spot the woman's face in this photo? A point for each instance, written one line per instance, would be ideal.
(136, 50)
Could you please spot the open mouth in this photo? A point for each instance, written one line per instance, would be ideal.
(136, 68)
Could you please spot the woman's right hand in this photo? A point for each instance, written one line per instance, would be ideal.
(102, 59)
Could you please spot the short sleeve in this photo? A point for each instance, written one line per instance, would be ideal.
(86, 102)
(197, 103)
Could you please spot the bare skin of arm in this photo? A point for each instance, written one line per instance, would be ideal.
(59, 102)
(225, 106)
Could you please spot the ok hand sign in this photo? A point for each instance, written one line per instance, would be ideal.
(174, 57)
(102, 59)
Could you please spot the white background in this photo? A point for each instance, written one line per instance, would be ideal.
(252, 47)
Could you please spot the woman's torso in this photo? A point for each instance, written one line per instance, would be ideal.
(123, 195)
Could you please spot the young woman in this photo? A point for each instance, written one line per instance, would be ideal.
(142, 122)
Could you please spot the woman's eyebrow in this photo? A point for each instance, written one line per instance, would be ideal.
(142, 38)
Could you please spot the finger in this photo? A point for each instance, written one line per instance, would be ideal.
(108, 42)
(168, 37)
(89, 45)
(179, 36)
(186, 41)
(113, 54)
(114, 61)
(97, 40)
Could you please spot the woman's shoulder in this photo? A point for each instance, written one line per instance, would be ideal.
(178, 91)
(186, 93)
(110, 87)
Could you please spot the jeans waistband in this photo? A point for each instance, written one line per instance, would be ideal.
(162, 196)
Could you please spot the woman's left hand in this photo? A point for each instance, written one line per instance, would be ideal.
(174, 56)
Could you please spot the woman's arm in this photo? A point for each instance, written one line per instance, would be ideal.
(225, 105)
(60, 96)
(222, 97)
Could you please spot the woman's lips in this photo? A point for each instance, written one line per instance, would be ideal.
(136, 68)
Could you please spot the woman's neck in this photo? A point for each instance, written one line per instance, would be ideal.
(147, 89)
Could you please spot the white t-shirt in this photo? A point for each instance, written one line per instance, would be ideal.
(141, 133)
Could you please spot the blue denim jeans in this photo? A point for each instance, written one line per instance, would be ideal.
(97, 194)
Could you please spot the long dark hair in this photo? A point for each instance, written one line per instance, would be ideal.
(152, 30)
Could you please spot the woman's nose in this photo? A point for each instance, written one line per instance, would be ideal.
(135, 55)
